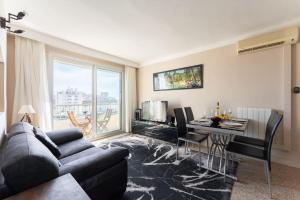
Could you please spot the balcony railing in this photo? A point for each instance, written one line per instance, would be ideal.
(83, 110)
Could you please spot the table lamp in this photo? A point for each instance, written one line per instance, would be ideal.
(26, 110)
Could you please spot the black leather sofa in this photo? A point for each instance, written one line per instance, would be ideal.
(27, 162)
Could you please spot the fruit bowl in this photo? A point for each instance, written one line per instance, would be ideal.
(216, 120)
(223, 116)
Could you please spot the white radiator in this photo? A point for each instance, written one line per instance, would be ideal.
(258, 118)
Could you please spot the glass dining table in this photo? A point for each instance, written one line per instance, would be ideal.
(220, 135)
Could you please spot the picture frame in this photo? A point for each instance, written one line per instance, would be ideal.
(179, 79)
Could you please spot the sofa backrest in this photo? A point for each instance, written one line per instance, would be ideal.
(19, 128)
(26, 161)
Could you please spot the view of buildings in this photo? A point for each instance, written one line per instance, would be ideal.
(80, 103)
(72, 95)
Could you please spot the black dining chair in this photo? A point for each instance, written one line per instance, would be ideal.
(254, 141)
(189, 114)
(187, 136)
(189, 118)
(256, 152)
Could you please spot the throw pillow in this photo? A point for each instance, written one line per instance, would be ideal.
(43, 138)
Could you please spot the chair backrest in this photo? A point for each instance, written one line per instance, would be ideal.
(181, 123)
(269, 125)
(258, 119)
(189, 114)
(108, 114)
(272, 126)
(72, 118)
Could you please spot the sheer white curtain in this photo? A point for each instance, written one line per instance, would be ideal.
(31, 84)
(130, 96)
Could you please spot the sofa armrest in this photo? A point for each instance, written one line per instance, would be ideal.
(65, 135)
(88, 166)
(27, 162)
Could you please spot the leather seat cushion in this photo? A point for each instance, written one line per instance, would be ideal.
(249, 140)
(81, 154)
(95, 161)
(194, 137)
(246, 150)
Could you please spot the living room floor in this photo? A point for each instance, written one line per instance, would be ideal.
(252, 184)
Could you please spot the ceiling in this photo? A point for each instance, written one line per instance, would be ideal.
(146, 31)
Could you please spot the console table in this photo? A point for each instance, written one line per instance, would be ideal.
(155, 130)
(62, 188)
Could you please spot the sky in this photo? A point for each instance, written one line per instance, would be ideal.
(70, 76)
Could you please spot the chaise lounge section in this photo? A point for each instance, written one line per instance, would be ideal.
(27, 162)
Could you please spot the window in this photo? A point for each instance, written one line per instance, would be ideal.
(86, 97)
(108, 101)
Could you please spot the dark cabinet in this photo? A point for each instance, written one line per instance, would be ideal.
(155, 130)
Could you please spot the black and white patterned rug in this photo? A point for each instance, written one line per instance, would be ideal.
(155, 174)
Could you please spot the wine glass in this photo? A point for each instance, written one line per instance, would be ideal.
(212, 113)
(229, 113)
(204, 115)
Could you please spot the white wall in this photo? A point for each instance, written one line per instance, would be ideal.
(252, 80)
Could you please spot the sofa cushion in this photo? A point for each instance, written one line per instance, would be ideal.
(81, 154)
(19, 128)
(73, 147)
(98, 161)
(43, 138)
(27, 163)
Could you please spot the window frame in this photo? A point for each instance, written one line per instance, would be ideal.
(52, 57)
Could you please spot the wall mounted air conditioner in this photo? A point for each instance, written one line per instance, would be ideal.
(269, 40)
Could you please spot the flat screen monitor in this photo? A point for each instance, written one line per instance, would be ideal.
(155, 111)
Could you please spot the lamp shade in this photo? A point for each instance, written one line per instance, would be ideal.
(26, 109)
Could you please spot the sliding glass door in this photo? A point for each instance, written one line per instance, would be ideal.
(72, 96)
(86, 97)
(108, 101)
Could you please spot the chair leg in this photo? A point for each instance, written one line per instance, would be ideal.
(208, 156)
(185, 147)
(213, 157)
(225, 164)
(266, 172)
(269, 179)
(221, 158)
(177, 149)
(200, 162)
(207, 145)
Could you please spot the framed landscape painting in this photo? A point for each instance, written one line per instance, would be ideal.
(177, 79)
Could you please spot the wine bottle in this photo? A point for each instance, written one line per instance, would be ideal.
(217, 111)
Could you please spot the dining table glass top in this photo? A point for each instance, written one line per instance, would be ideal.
(236, 124)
